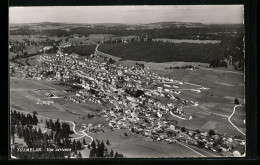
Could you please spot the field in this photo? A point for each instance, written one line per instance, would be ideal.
(24, 95)
(158, 65)
(212, 111)
(176, 41)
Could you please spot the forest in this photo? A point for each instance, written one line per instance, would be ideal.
(214, 54)
(83, 50)
(164, 52)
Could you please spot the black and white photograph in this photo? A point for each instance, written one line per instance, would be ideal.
(132, 81)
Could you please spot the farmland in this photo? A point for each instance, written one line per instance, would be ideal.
(176, 41)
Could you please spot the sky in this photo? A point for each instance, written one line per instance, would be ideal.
(128, 14)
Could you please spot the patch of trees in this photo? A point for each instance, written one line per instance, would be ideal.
(82, 50)
(21, 119)
(211, 132)
(99, 150)
(140, 65)
(110, 61)
(182, 67)
(61, 129)
(236, 101)
(183, 129)
(218, 63)
(133, 92)
(240, 65)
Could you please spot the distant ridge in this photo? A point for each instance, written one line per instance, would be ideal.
(124, 24)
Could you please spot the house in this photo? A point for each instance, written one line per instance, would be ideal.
(159, 89)
(48, 94)
(90, 127)
(216, 149)
(237, 154)
(209, 145)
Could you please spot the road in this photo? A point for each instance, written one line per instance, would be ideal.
(196, 148)
(203, 151)
(191, 149)
(177, 116)
(234, 110)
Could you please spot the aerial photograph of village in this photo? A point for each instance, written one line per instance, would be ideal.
(127, 82)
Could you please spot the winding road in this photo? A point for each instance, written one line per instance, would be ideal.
(234, 110)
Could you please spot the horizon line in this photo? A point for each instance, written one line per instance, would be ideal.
(128, 23)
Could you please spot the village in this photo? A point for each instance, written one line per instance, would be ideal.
(138, 99)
